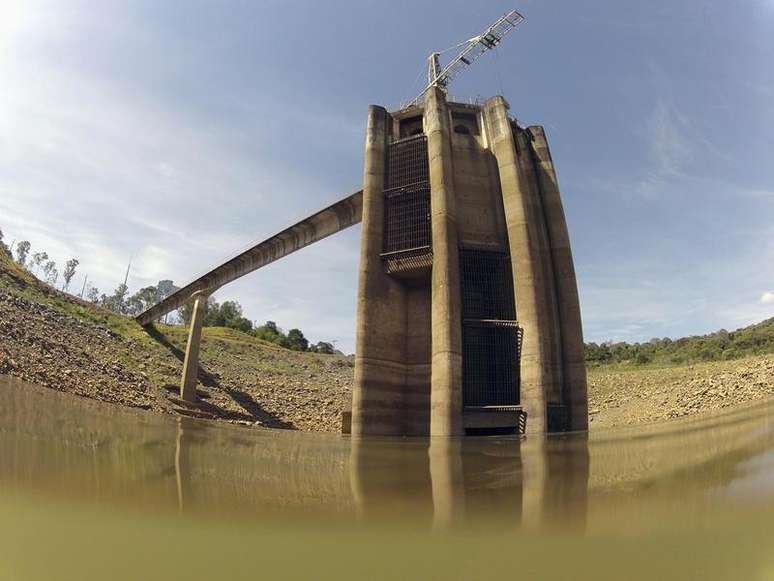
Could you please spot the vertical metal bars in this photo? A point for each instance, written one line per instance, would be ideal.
(491, 337)
(490, 363)
(487, 285)
(407, 197)
(407, 163)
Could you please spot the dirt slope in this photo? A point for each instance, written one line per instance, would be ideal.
(52, 339)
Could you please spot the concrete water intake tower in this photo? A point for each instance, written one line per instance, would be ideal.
(468, 319)
(467, 303)
(468, 313)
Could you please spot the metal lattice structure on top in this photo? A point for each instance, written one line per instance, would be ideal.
(472, 50)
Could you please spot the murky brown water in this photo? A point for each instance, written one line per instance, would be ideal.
(92, 491)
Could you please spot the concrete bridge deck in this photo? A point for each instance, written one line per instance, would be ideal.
(335, 218)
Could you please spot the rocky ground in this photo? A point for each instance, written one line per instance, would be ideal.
(631, 396)
(52, 339)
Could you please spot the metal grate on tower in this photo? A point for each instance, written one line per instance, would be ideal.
(490, 363)
(407, 163)
(491, 336)
(407, 199)
(487, 285)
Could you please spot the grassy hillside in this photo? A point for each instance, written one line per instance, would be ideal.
(722, 345)
(56, 340)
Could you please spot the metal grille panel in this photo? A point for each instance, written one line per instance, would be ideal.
(487, 285)
(407, 163)
(490, 364)
(407, 220)
(407, 198)
(491, 337)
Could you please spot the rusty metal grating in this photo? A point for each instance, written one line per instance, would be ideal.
(407, 198)
(487, 285)
(407, 163)
(407, 220)
(490, 363)
(491, 337)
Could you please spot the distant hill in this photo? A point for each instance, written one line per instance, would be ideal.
(722, 345)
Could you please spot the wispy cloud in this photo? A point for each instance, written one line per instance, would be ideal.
(669, 146)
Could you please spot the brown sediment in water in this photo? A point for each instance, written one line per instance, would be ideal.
(96, 491)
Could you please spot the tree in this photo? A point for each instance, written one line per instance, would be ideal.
(39, 258)
(296, 341)
(115, 302)
(52, 276)
(92, 295)
(229, 314)
(47, 268)
(269, 332)
(22, 250)
(186, 311)
(69, 272)
(3, 247)
(164, 289)
(141, 300)
(322, 347)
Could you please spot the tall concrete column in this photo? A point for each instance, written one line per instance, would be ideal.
(524, 241)
(191, 362)
(446, 312)
(380, 371)
(573, 362)
(550, 331)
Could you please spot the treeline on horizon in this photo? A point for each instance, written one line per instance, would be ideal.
(721, 345)
(228, 314)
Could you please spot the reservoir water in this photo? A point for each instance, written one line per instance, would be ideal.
(94, 491)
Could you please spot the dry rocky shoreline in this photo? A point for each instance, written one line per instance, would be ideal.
(52, 339)
(242, 380)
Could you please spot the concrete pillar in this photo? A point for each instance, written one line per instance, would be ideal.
(446, 311)
(380, 371)
(573, 362)
(551, 334)
(191, 362)
(520, 201)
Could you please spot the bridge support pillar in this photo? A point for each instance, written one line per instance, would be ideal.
(191, 362)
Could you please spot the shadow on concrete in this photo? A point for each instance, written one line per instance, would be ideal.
(253, 411)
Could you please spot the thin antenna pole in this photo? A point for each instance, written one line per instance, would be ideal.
(83, 290)
(128, 266)
(126, 278)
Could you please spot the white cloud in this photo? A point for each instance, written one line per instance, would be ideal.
(99, 168)
(767, 298)
(670, 148)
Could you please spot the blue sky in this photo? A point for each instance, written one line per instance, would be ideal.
(179, 132)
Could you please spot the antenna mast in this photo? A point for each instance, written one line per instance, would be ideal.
(473, 48)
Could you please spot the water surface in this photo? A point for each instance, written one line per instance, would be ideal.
(94, 491)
